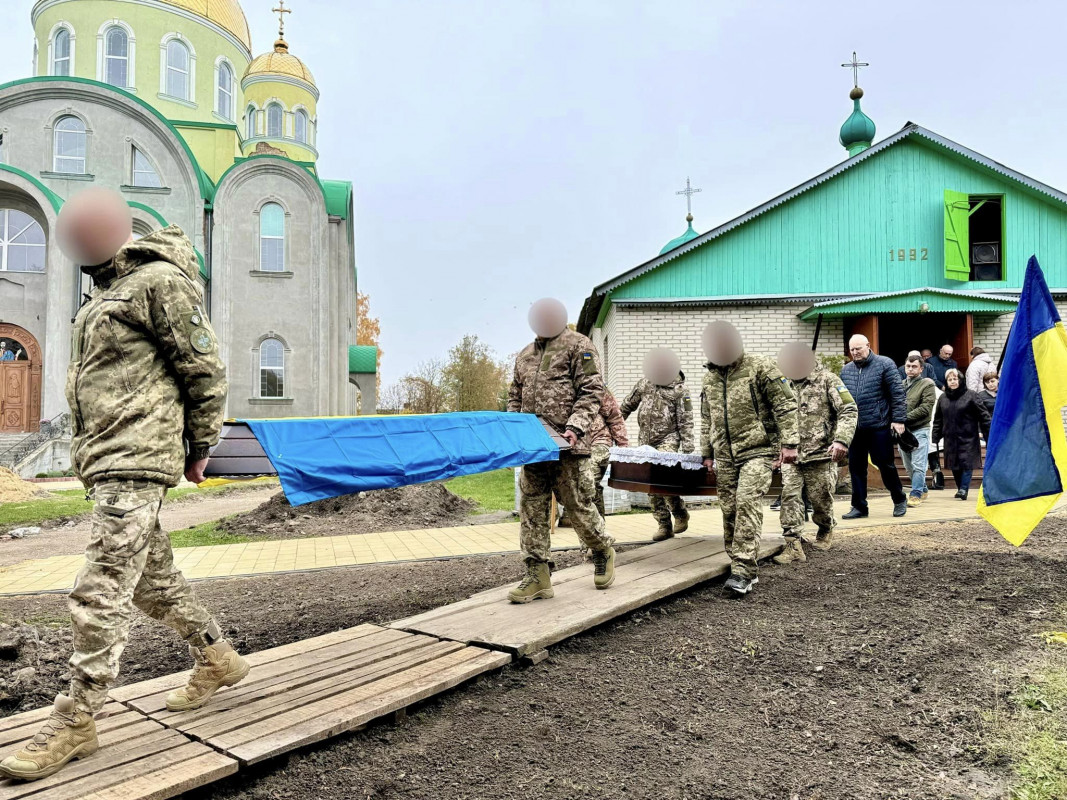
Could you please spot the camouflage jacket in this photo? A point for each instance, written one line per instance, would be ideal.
(145, 370)
(747, 410)
(827, 412)
(559, 380)
(664, 414)
(608, 426)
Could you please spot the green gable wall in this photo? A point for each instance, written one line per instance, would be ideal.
(836, 237)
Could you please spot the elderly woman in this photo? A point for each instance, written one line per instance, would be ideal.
(959, 417)
(988, 395)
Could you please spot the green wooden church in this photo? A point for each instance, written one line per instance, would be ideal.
(915, 241)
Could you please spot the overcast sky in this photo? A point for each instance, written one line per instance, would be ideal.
(504, 150)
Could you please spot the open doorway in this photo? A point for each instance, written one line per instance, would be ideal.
(894, 335)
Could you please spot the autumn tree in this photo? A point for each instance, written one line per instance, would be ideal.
(368, 328)
(423, 390)
(473, 377)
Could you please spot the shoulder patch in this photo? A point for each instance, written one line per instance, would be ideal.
(846, 396)
(588, 363)
(687, 403)
(202, 341)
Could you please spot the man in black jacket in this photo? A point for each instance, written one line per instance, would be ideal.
(875, 384)
(942, 363)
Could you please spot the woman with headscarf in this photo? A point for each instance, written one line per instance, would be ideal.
(959, 418)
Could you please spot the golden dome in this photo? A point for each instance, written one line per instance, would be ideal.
(227, 14)
(280, 62)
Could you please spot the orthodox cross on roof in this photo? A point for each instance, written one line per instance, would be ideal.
(855, 66)
(281, 11)
(688, 191)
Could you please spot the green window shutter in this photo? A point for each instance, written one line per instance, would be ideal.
(957, 240)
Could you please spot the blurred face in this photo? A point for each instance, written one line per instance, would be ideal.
(992, 384)
(796, 361)
(548, 318)
(946, 352)
(952, 380)
(662, 366)
(859, 348)
(913, 369)
(722, 343)
(93, 225)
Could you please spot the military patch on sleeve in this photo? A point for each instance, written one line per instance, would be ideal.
(846, 396)
(202, 340)
(588, 364)
(688, 403)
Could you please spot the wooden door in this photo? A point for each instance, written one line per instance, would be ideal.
(963, 341)
(14, 396)
(864, 325)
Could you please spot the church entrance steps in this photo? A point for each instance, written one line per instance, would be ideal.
(139, 759)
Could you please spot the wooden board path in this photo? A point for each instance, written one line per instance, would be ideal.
(311, 690)
(138, 760)
(642, 576)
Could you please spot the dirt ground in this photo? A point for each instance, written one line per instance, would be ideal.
(429, 505)
(860, 674)
(68, 537)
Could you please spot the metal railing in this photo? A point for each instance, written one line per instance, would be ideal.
(56, 428)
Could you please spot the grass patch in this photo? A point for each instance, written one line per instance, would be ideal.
(492, 491)
(207, 534)
(1031, 732)
(49, 620)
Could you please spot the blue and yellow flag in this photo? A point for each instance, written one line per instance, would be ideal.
(1026, 456)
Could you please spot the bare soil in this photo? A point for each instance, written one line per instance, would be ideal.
(860, 674)
(430, 505)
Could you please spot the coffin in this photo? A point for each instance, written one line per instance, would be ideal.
(660, 479)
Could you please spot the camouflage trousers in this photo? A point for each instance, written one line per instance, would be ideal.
(663, 505)
(128, 563)
(820, 478)
(598, 466)
(571, 478)
(741, 487)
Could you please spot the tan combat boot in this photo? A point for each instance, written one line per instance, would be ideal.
(681, 523)
(824, 540)
(217, 665)
(536, 584)
(793, 551)
(666, 531)
(604, 568)
(69, 733)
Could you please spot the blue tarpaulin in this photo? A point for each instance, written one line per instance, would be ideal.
(321, 458)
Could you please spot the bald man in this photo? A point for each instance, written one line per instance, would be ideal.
(875, 384)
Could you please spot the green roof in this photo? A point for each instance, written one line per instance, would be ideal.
(338, 197)
(857, 128)
(362, 359)
(912, 302)
(689, 235)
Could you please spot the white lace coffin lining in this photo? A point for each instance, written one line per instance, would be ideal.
(646, 454)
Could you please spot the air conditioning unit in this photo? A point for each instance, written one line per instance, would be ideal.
(985, 253)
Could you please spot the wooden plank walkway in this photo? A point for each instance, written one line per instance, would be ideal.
(642, 576)
(311, 690)
(138, 760)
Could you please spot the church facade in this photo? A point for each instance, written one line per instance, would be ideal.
(915, 241)
(165, 101)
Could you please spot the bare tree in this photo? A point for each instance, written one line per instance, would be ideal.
(423, 390)
(391, 399)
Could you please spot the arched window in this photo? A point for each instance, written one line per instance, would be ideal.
(61, 52)
(302, 126)
(116, 57)
(144, 174)
(68, 146)
(271, 368)
(22, 245)
(225, 89)
(272, 238)
(252, 122)
(274, 121)
(177, 70)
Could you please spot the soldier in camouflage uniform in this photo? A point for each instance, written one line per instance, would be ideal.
(144, 375)
(746, 409)
(557, 377)
(608, 430)
(827, 422)
(665, 421)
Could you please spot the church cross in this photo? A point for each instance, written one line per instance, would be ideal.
(281, 11)
(688, 191)
(855, 66)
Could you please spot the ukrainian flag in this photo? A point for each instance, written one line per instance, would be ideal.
(1026, 456)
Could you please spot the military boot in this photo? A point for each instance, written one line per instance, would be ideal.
(604, 568)
(681, 523)
(793, 551)
(536, 584)
(823, 540)
(666, 531)
(68, 733)
(217, 665)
